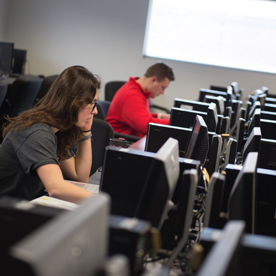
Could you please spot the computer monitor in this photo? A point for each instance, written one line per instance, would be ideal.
(223, 259)
(231, 151)
(19, 57)
(270, 100)
(19, 218)
(123, 177)
(257, 252)
(227, 95)
(247, 104)
(225, 126)
(258, 255)
(254, 121)
(240, 135)
(158, 134)
(214, 201)
(198, 145)
(75, 243)
(231, 171)
(214, 156)
(266, 204)
(6, 57)
(184, 212)
(184, 117)
(235, 87)
(211, 119)
(185, 164)
(254, 106)
(242, 199)
(267, 154)
(268, 115)
(236, 105)
(268, 128)
(218, 88)
(160, 184)
(252, 142)
(189, 104)
(242, 113)
(218, 100)
(269, 107)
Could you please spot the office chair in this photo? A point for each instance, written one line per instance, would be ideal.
(46, 83)
(21, 95)
(102, 132)
(3, 92)
(102, 107)
(113, 86)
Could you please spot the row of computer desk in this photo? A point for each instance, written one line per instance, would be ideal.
(198, 224)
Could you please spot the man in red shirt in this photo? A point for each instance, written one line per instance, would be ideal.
(129, 112)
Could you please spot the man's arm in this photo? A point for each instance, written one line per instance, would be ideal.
(52, 179)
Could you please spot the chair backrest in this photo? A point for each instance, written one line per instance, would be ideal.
(102, 132)
(46, 83)
(111, 88)
(3, 92)
(102, 107)
(22, 94)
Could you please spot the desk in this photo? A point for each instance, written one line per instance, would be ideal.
(139, 145)
(8, 80)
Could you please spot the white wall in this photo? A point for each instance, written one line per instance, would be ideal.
(3, 18)
(106, 36)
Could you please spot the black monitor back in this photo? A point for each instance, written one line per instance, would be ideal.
(214, 200)
(6, 57)
(189, 104)
(253, 142)
(231, 151)
(267, 154)
(240, 135)
(242, 199)
(154, 195)
(223, 259)
(184, 117)
(18, 218)
(268, 115)
(218, 100)
(254, 120)
(19, 57)
(180, 229)
(258, 255)
(231, 171)
(158, 134)
(123, 177)
(198, 145)
(213, 161)
(268, 129)
(269, 107)
(266, 203)
(203, 92)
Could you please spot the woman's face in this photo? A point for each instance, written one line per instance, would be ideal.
(87, 112)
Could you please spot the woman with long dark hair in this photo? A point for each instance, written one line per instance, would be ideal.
(35, 152)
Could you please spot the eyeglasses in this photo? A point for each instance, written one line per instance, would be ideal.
(94, 106)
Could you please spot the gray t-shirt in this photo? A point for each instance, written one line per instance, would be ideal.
(21, 153)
